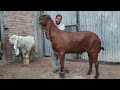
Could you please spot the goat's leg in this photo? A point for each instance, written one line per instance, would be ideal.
(97, 69)
(90, 65)
(31, 52)
(94, 58)
(24, 57)
(62, 74)
(30, 55)
(21, 57)
(27, 59)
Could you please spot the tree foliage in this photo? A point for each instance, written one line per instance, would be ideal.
(41, 13)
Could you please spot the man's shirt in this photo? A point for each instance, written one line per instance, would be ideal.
(61, 26)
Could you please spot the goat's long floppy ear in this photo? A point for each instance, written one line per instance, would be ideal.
(16, 46)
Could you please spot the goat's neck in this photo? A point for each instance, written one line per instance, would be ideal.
(53, 30)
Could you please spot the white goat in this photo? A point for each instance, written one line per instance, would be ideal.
(24, 45)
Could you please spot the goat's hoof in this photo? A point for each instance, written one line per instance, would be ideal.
(66, 71)
(96, 76)
(27, 66)
(62, 75)
(55, 71)
(89, 72)
(24, 65)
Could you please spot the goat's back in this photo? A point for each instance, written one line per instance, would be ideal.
(27, 40)
(76, 41)
(77, 37)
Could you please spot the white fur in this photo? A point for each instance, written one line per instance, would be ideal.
(26, 44)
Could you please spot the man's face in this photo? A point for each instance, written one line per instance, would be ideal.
(58, 20)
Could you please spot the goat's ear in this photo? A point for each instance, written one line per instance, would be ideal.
(16, 47)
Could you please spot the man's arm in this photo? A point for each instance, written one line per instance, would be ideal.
(62, 27)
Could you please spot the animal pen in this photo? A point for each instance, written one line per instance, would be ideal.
(106, 24)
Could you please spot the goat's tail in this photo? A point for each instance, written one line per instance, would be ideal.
(102, 48)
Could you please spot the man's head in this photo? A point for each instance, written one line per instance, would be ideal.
(58, 19)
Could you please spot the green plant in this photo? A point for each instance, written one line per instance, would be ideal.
(41, 13)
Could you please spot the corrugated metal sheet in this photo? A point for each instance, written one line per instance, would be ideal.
(69, 17)
(106, 24)
(38, 36)
(110, 34)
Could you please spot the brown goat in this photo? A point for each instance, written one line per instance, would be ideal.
(72, 42)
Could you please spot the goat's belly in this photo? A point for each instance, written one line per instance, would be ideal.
(76, 50)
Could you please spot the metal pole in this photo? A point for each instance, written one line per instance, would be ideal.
(77, 29)
(77, 20)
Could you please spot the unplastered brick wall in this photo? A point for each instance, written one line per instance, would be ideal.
(17, 23)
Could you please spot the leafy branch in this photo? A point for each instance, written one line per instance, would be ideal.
(42, 13)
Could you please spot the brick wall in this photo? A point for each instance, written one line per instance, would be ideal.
(18, 23)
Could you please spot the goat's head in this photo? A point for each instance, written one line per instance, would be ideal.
(44, 19)
(14, 41)
(44, 22)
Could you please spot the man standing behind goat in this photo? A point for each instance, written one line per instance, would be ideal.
(54, 56)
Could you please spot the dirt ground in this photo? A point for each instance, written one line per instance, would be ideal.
(42, 69)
